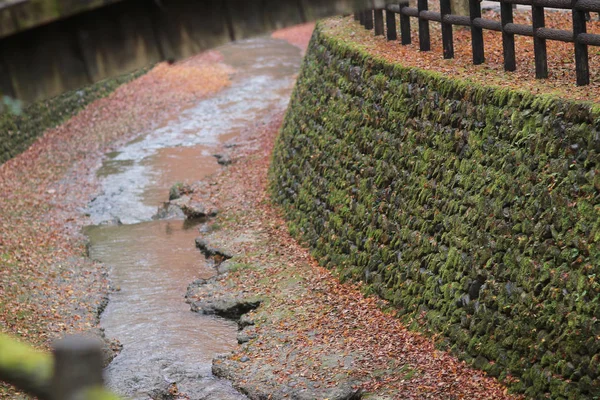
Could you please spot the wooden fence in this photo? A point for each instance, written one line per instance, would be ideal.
(579, 9)
(72, 372)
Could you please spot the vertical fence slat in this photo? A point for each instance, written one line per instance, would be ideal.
(379, 29)
(447, 37)
(508, 40)
(581, 50)
(539, 44)
(476, 33)
(404, 26)
(77, 366)
(374, 19)
(369, 19)
(424, 42)
(390, 24)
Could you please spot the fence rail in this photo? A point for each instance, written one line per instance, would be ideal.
(374, 19)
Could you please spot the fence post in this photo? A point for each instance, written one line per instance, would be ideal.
(368, 19)
(404, 25)
(424, 42)
(447, 37)
(476, 33)
(390, 24)
(378, 13)
(508, 39)
(539, 44)
(361, 17)
(77, 366)
(581, 49)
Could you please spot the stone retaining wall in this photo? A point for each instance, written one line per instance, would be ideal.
(474, 210)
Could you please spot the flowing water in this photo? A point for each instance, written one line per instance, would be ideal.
(152, 262)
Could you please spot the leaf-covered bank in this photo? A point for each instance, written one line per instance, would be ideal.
(18, 131)
(47, 285)
(474, 210)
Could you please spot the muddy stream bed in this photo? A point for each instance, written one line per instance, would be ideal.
(151, 262)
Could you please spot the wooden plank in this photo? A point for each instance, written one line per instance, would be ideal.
(378, 18)
(477, 44)
(7, 22)
(508, 39)
(6, 86)
(405, 26)
(539, 44)
(186, 27)
(44, 68)
(35, 13)
(424, 41)
(316, 9)
(64, 55)
(447, 37)
(124, 41)
(248, 18)
(390, 24)
(369, 19)
(582, 68)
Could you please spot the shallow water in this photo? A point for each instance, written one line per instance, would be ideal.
(262, 84)
(152, 262)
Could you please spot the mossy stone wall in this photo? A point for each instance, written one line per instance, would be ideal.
(474, 210)
(18, 131)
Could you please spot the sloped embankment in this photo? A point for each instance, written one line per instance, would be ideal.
(474, 210)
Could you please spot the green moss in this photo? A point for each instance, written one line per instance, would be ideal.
(18, 358)
(476, 206)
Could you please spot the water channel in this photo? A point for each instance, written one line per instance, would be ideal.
(152, 261)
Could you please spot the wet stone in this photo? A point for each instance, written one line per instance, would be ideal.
(254, 378)
(209, 251)
(224, 267)
(223, 159)
(208, 296)
(168, 211)
(227, 306)
(116, 221)
(245, 336)
(178, 190)
(245, 320)
(193, 209)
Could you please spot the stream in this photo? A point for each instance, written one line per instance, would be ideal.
(151, 262)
